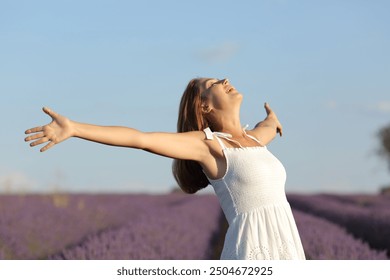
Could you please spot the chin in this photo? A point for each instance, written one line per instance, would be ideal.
(239, 98)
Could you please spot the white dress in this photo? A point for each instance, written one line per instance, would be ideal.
(253, 199)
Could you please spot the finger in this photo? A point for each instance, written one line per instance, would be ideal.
(48, 146)
(267, 107)
(49, 112)
(33, 130)
(35, 136)
(280, 131)
(40, 141)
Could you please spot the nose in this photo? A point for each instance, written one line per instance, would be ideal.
(225, 81)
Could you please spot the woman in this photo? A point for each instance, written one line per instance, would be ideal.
(212, 147)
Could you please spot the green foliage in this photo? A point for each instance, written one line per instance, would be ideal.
(384, 137)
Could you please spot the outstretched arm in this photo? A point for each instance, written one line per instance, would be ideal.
(189, 145)
(267, 129)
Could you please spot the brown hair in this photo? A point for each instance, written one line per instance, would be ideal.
(189, 174)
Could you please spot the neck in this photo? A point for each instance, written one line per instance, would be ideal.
(228, 124)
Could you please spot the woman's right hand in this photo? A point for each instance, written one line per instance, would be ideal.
(55, 132)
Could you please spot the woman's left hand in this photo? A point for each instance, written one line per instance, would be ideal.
(271, 116)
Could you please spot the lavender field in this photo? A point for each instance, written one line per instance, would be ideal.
(178, 226)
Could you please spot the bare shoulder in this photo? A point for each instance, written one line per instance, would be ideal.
(208, 147)
(212, 145)
(211, 154)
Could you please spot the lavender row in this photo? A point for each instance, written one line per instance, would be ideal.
(371, 224)
(35, 226)
(182, 230)
(372, 202)
(323, 240)
(143, 227)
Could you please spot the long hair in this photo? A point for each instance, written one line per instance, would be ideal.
(189, 174)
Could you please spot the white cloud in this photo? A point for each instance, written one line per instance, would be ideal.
(220, 53)
(15, 182)
(383, 107)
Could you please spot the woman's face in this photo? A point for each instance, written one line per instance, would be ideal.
(218, 94)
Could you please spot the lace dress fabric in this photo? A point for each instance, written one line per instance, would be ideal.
(253, 199)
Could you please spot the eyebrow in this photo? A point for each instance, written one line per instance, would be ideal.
(207, 82)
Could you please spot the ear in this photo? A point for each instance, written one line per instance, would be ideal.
(206, 108)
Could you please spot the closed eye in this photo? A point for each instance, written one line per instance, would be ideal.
(215, 83)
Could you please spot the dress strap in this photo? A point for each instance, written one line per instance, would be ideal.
(210, 136)
(250, 136)
(227, 137)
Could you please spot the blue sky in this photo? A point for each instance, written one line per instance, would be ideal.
(323, 66)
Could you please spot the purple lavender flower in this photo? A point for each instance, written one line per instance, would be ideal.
(323, 240)
(369, 221)
(181, 229)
